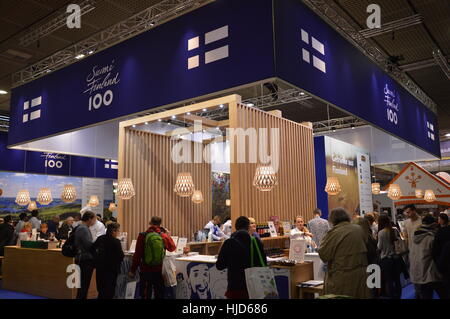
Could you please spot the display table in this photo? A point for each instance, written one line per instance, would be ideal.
(198, 278)
(40, 272)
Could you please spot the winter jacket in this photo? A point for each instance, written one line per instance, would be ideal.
(6, 236)
(344, 250)
(235, 256)
(109, 254)
(441, 239)
(423, 269)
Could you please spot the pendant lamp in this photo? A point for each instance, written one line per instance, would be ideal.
(93, 201)
(112, 207)
(69, 194)
(429, 196)
(419, 193)
(184, 185)
(228, 202)
(333, 186)
(394, 192)
(125, 189)
(44, 196)
(23, 197)
(32, 206)
(376, 188)
(265, 178)
(197, 197)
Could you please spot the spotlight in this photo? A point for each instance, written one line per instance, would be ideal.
(3, 92)
(204, 110)
(352, 126)
(174, 117)
(146, 123)
(221, 106)
(80, 56)
(134, 125)
(159, 120)
(333, 129)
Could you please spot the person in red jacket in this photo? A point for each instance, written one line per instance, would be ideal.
(151, 276)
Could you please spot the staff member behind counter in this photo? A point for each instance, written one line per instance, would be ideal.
(214, 230)
(301, 232)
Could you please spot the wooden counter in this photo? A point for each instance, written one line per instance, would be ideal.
(40, 272)
(298, 273)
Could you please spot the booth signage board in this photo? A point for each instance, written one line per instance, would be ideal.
(351, 165)
(311, 55)
(53, 163)
(222, 45)
(225, 44)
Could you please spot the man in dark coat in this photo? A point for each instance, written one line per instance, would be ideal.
(6, 234)
(235, 256)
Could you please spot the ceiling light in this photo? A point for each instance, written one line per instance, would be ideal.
(302, 93)
(146, 123)
(221, 106)
(188, 113)
(204, 110)
(91, 51)
(352, 126)
(134, 125)
(174, 117)
(80, 56)
(159, 120)
(250, 104)
(333, 129)
(447, 135)
(3, 92)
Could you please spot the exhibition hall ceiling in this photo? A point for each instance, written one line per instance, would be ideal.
(410, 48)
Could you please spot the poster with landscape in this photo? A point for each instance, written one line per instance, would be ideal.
(220, 193)
(11, 183)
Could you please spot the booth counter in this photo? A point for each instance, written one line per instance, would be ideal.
(40, 272)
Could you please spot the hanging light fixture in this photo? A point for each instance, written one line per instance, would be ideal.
(69, 194)
(32, 206)
(112, 207)
(419, 193)
(265, 178)
(125, 189)
(228, 202)
(44, 196)
(333, 186)
(23, 197)
(376, 188)
(184, 185)
(197, 197)
(394, 192)
(93, 201)
(429, 196)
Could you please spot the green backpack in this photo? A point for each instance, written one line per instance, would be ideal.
(154, 250)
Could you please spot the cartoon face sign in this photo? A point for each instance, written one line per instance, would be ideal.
(198, 275)
(218, 283)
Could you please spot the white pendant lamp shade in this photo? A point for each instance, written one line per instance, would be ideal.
(394, 192)
(265, 178)
(44, 196)
(197, 197)
(228, 202)
(333, 186)
(32, 206)
(376, 188)
(419, 193)
(93, 201)
(69, 194)
(23, 197)
(429, 196)
(125, 189)
(184, 185)
(112, 207)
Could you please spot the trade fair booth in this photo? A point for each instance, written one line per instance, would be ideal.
(171, 121)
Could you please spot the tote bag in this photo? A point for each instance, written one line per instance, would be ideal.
(260, 280)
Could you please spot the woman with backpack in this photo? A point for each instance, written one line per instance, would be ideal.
(108, 256)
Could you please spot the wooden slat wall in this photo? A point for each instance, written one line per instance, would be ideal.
(147, 161)
(295, 193)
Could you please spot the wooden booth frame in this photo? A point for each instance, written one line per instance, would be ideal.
(294, 195)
